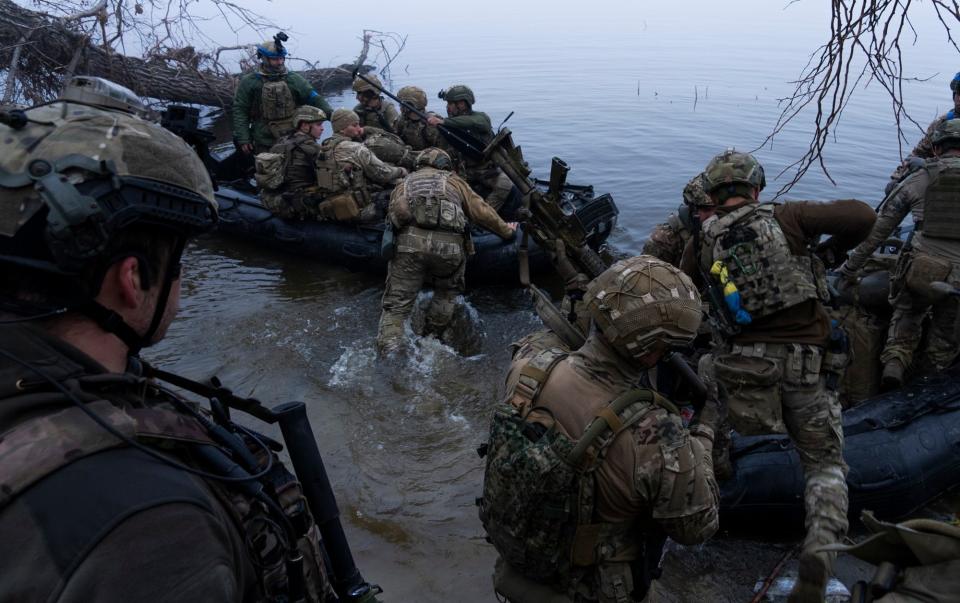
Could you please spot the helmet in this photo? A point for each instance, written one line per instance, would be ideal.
(361, 85)
(732, 167)
(273, 48)
(436, 158)
(413, 96)
(99, 92)
(955, 83)
(641, 302)
(694, 195)
(947, 130)
(75, 177)
(458, 93)
(342, 118)
(309, 114)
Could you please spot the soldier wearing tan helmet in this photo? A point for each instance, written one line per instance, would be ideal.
(431, 212)
(266, 99)
(371, 107)
(588, 471)
(348, 172)
(413, 130)
(930, 194)
(483, 175)
(114, 487)
(668, 239)
(287, 173)
(778, 362)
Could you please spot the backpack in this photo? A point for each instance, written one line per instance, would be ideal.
(271, 170)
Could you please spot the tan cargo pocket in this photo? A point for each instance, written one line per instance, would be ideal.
(923, 270)
(340, 207)
(752, 387)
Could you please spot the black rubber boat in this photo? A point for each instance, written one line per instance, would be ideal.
(903, 449)
(357, 246)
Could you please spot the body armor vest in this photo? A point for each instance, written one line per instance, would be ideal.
(433, 204)
(539, 493)
(332, 176)
(418, 134)
(941, 202)
(39, 447)
(751, 244)
(277, 106)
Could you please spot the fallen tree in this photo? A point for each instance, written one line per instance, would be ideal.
(40, 50)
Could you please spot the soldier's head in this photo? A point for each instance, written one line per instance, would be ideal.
(368, 95)
(955, 91)
(459, 99)
(273, 55)
(95, 208)
(346, 123)
(946, 137)
(643, 307)
(415, 97)
(695, 197)
(732, 177)
(435, 158)
(309, 120)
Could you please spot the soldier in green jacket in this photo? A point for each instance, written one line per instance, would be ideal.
(267, 98)
(482, 175)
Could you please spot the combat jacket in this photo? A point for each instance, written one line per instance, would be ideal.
(301, 152)
(353, 157)
(667, 240)
(802, 223)
(908, 198)
(384, 118)
(248, 125)
(418, 134)
(473, 205)
(85, 517)
(645, 469)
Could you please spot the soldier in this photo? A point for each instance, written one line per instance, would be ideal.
(113, 487)
(372, 109)
(924, 148)
(480, 174)
(287, 175)
(933, 254)
(777, 370)
(347, 171)
(388, 147)
(587, 475)
(266, 99)
(413, 130)
(431, 212)
(668, 239)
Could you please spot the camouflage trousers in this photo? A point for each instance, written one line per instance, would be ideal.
(493, 180)
(910, 307)
(784, 387)
(422, 257)
(517, 588)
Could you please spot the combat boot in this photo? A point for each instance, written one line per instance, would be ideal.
(892, 375)
(812, 579)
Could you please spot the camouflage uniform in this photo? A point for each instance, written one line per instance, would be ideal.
(389, 148)
(383, 118)
(249, 123)
(431, 249)
(298, 198)
(418, 134)
(931, 258)
(481, 173)
(648, 478)
(668, 239)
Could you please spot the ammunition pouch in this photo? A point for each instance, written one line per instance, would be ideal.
(342, 207)
(752, 386)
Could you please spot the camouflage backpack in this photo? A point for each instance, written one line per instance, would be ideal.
(538, 489)
(271, 169)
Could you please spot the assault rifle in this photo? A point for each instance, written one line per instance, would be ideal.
(301, 444)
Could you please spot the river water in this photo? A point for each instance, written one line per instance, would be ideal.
(636, 103)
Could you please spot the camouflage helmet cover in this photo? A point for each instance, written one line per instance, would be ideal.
(342, 118)
(435, 158)
(413, 96)
(641, 302)
(732, 167)
(99, 92)
(360, 85)
(96, 172)
(946, 130)
(307, 113)
(694, 195)
(458, 92)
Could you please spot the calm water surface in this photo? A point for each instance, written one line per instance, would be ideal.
(636, 109)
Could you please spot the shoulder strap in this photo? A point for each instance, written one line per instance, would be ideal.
(533, 377)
